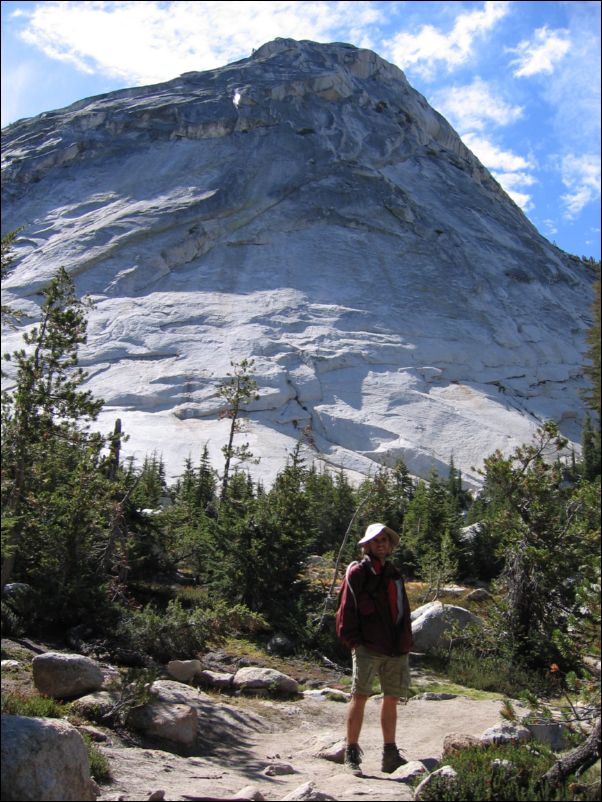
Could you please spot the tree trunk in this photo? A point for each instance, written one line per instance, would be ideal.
(583, 756)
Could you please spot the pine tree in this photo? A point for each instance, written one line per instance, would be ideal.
(57, 497)
(46, 412)
(592, 371)
(544, 544)
(205, 483)
(10, 316)
(238, 391)
(590, 444)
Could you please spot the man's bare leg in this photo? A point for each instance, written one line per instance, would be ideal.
(388, 718)
(355, 717)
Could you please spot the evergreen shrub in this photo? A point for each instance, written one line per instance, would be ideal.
(177, 633)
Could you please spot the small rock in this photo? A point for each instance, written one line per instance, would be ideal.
(445, 775)
(156, 796)
(505, 733)
(250, 792)
(453, 590)
(96, 706)
(335, 752)
(478, 594)
(281, 645)
(327, 694)
(432, 697)
(183, 670)
(504, 765)
(275, 769)
(216, 679)
(456, 742)
(172, 722)
(93, 733)
(410, 772)
(307, 791)
(256, 678)
(315, 559)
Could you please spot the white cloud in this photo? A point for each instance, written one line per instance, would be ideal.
(472, 107)
(551, 226)
(15, 82)
(148, 42)
(542, 53)
(513, 180)
(429, 46)
(493, 157)
(509, 169)
(581, 176)
(574, 91)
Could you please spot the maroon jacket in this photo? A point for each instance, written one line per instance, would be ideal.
(364, 614)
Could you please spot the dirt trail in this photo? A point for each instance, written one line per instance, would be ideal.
(292, 733)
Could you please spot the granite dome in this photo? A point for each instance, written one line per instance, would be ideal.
(304, 207)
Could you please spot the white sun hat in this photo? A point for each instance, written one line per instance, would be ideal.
(374, 530)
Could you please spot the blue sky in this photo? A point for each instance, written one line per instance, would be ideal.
(519, 81)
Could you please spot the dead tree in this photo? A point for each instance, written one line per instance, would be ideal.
(579, 759)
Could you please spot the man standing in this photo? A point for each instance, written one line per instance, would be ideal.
(373, 620)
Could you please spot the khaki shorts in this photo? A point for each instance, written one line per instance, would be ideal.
(393, 673)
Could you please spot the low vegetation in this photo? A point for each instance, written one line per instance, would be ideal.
(509, 773)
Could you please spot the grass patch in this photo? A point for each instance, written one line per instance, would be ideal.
(15, 703)
(416, 595)
(241, 647)
(494, 673)
(191, 595)
(99, 765)
(441, 686)
(16, 653)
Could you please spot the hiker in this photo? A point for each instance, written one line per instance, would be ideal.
(373, 620)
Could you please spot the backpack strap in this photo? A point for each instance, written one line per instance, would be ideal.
(347, 572)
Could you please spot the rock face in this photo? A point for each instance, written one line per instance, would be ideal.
(306, 208)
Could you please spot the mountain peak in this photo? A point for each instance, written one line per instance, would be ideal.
(305, 53)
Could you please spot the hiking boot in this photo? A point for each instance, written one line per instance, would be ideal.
(391, 759)
(353, 758)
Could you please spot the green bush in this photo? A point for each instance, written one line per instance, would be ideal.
(515, 779)
(178, 633)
